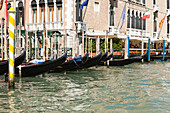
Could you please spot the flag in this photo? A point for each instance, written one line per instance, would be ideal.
(85, 3)
(161, 22)
(147, 15)
(123, 16)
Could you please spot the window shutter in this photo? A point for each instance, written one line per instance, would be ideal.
(17, 16)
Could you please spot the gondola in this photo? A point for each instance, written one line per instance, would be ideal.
(122, 62)
(69, 65)
(37, 69)
(18, 61)
(154, 57)
(102, 62)
(91, 61)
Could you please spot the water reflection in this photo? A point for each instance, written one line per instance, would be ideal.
(132, 88)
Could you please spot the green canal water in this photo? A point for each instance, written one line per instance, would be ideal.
(135, 88)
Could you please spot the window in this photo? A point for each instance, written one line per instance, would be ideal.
(59, 14)
(50, 14)
(155, 25)
(133, 20)
(96, 6)
(168, 4)
(128, 19)
(111, 16)
(137, 21)
(140, 21)
(144, 24)
(42, 15)
(34, 20)
(78, 11)
(154, 1)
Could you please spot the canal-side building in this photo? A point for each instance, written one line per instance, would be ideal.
(101, 19)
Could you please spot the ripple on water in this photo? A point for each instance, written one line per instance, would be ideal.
(132, 88)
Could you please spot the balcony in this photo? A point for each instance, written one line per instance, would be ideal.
(155, 8)
(168, 12)
(168, 36)
(49, 26)
(137, 32)
(113, 30)
(155, 35)
(81, 26)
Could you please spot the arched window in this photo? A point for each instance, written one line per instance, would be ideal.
(137, 21)
(42, 10)
(133, 19)
(9, 6)
(34, 11)
(140, 19)
(78, 11)
(20, 13)
(144, 2)
(144, 24)
(111, 16)
(128, 19)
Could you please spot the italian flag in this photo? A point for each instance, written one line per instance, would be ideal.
(147, 15)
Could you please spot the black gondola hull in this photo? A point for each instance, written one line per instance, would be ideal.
(33, 70)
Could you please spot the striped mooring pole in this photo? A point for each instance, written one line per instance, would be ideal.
(11, 46)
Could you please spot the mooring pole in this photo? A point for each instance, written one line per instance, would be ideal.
(11, 46)
(163, 49)
(128, 46)
(149, 40)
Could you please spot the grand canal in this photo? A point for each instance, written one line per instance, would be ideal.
(135, 88)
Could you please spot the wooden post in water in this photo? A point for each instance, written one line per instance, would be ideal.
(19, 40)
(91, 47)
(97, 45)
(127, 41)
(163, 57)
(52, 46)
(11, 47)
(142, 50)
(65, 41)
(2, 50)
(44, 42)
(82, 47)
(77, 40)
(26, 43)
(35, 44)
(86, 43)
(149, 41)
(111, 45)
(5, 41)
(106, 40)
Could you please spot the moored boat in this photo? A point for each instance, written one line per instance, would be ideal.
(18, 61)
(122, 62)
(91, 61)
(37, 69)
(70, 65)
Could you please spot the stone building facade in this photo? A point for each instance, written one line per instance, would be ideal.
(101, 18)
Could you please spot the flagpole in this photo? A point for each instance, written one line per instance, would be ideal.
(161, 28)
(84, 13)
(120, 17)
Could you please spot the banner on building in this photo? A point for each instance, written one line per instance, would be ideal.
(161, 22)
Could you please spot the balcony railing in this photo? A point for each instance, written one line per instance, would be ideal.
(168, 36)
(168, 12)
(81, 26)
(155, 35)
(113, 29)
(48, 26)
(155, 8)
(137, 32)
